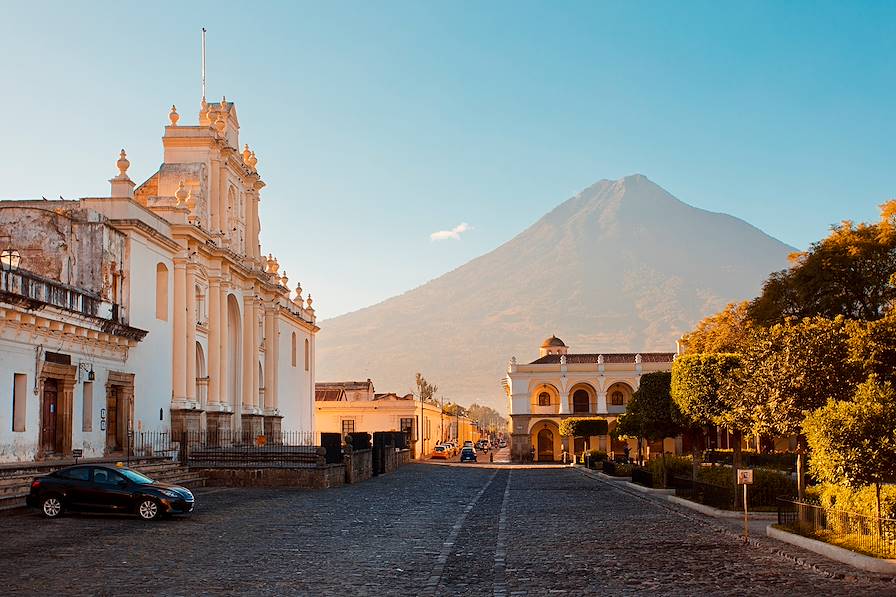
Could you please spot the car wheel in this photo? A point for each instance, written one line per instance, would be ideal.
(149, 509)
(51, 506)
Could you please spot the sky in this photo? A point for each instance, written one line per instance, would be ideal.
(399, 140)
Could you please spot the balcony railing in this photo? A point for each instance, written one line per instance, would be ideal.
(27, 288)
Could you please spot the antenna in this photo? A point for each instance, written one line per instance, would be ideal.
(203, 63)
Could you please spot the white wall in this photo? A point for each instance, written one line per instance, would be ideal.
(150, 361)
(295, 386)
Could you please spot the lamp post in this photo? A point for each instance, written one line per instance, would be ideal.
(9, 260)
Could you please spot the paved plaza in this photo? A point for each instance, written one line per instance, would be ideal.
(424, 530)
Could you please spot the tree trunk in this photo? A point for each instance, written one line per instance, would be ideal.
(665, 472)
(736, 461)
(880, 530)
(640, 453)
(801, 467)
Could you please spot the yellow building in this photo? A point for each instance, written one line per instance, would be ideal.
(560, 384)
(337, 412)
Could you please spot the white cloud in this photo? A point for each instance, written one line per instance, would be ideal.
(453, 233)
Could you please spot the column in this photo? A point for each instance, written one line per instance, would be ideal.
(270, 364)
(250, 351)
(190, 352)
(275, 400)
(214, 202)
(224, 368)
(179, 314)
(564, 404)
(214, 340)
(601, 402)
(256, 382)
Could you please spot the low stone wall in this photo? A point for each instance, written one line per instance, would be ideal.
(312, 477)
(358, 465)
(404, 457)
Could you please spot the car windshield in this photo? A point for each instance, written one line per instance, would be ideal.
(440, 448)
(135, 477)
(468, 450)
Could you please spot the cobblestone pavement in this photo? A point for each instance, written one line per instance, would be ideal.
(424, 530)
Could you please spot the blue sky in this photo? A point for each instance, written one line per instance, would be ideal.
(379, 123)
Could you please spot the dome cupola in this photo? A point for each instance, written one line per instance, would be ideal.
(553, 345)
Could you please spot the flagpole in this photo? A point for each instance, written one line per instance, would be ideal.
(203, 63)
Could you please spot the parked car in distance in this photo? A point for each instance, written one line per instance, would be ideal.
(101, 488)
(468, 454)
(451, 447)
(468, 444)
(440, 452)
(502, 444)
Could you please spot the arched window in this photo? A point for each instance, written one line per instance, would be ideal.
(161, 292)
(293, 349)
(307, 355)
(544, 399)
(580, 402)
(617, 398)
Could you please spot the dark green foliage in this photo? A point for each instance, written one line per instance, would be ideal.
(583, 427)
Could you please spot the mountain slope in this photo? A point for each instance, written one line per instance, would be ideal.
(622, 266)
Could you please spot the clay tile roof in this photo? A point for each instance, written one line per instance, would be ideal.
(392, 396)
(617, 357)
(329, 395)
(347, 385)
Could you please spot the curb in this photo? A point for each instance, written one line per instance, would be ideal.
(716, 513)
(842, 555)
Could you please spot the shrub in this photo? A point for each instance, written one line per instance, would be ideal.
(676, 466)
(782, 461)
(859, 501)
(597, 455)
(766, 488)
(583, 427)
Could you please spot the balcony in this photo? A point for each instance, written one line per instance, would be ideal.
(34, 292)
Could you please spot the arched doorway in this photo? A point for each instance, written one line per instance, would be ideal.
(545, 447)
(201, 375)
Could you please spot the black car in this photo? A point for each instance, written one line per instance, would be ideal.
(99, 488)
(468, 454)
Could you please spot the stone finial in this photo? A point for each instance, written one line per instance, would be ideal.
(181, 194)
(308, 304)
(220, 123)
(600, 359)
(284, 280)
(299, 292)
(638, 358)
(252, 161)
(246, 153)
(123, 164)
(275, 266)
(562, 359)
(269, 264)
(203, 112)
(173, 116)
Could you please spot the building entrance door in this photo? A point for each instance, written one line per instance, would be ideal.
(50, 406)
(545, 445)
(113, 420)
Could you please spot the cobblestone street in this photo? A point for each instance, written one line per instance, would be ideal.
(437, 530)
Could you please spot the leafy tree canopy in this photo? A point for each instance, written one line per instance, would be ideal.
(651, 413)
(701, 389)
(848, 273)
(425, 390)
(853, 442)
(583, 426)
(792, 368)
(727, 331)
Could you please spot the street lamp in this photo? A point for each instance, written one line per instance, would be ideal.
(9, 257)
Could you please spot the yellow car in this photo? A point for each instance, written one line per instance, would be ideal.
(440, 452)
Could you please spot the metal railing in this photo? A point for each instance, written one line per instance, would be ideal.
(232, 449)
(32, 287)
(858, 532)
(717, 496)
(642, 476)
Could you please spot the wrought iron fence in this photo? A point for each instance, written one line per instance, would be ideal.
(233, 449)
(868, 534)
(717, 496)
(642, 476)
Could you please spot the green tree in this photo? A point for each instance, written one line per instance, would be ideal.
(873, 347)
(791, 369)
(583, 427)
(701, 389)
(847, 273)
(853, 442)
(654, 415)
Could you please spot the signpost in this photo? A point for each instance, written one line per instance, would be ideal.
(77, 453)
(745, 477)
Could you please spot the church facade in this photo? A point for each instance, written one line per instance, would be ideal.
(559, 385)
(151, 309)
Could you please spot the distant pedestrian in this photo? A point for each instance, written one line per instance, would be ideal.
(532, 454)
